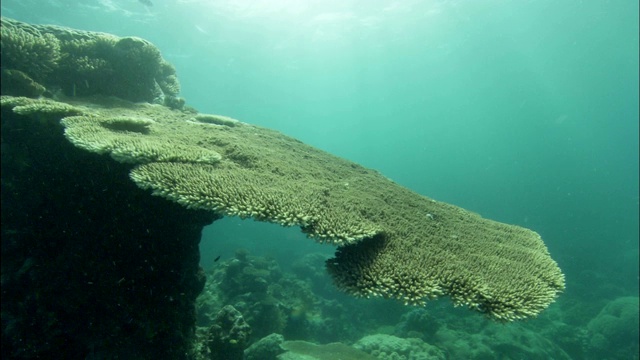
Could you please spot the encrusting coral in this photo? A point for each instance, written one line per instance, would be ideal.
(392, 242)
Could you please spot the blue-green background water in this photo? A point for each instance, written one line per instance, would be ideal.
(523, 111)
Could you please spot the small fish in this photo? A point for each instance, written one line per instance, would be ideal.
(216, 259)
(146, 2)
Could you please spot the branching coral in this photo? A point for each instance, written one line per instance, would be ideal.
(26, 48)
(84, 63)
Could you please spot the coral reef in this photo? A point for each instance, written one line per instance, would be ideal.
(91, 266)
(48, 110)
(501, 270)
(311, 269)
(418, 323)
(302, 350)
(388, 347)
(83, 63)
(132, 139)
(215, 120)
(267, 348)
(228, 337)
(614, 331)
(17, 83)
(28, 49)
(311, 314)
(470, 339)
(286, 303)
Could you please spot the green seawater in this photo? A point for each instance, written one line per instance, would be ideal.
(523, 111)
